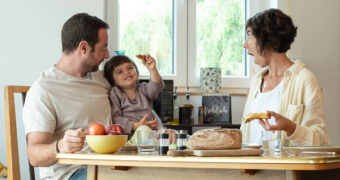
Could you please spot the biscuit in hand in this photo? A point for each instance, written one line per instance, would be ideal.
(253, 116)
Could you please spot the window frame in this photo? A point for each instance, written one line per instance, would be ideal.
(184, 38)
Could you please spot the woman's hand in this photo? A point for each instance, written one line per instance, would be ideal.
(282, 123)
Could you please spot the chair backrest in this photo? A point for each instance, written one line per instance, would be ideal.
(13, 166)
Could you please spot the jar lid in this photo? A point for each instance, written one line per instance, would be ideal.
(181, 136)
(164, 136)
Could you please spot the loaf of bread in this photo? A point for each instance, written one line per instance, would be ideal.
(210, 139)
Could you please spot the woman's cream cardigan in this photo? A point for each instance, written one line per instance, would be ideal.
(301, 101)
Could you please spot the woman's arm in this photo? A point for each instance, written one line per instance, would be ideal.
(304, 119)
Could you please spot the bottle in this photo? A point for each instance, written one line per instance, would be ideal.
(188, 104)
(175, 120)
(200, 115)
(181, 140)
(163, 143)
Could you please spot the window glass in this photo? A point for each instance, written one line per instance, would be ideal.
(220, 36)
(145, 26)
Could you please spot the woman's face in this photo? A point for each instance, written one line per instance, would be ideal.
(250, 45)
(125, 76)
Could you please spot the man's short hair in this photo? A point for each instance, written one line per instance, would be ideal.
(81, 27)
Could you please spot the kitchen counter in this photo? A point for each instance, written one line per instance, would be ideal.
(130, 166)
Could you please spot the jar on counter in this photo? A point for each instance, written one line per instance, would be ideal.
(181, 140)
(163, 143)
(200, 115)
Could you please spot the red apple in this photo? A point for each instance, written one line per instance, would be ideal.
(116, 128)
(113, 133)
(96, 129)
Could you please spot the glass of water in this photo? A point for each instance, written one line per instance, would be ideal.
(146, 141)
(271, 142)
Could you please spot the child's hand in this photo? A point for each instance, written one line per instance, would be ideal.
(152, 124)
(148, 61)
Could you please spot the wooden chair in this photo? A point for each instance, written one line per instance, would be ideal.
(13, 167)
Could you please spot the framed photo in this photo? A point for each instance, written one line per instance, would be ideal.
(216, 109)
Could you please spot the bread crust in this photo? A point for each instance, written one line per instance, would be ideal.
(211, 139)
(253, 116)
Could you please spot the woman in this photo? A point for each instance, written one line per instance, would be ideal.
(286, 90)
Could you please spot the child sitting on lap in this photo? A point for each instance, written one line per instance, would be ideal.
(130, 101)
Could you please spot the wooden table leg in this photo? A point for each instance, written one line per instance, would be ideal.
(121, 168)
(248, 171)
(92, 172)
(293, 175)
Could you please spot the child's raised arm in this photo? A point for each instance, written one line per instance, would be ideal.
(150, 63)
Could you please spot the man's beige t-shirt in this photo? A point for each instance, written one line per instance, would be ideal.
(57, 102)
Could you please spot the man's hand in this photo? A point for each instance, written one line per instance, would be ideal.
(41, 147)
(282, 123)
(172, 134)
(72, 141)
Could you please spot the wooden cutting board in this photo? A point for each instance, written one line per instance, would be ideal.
(217, 153)
(228, 152)
(187, 152)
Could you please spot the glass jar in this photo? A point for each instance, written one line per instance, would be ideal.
(181, 140)
(163, 143)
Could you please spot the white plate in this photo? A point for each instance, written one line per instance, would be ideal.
(312, 149)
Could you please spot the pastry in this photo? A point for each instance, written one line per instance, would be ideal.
(253, 116)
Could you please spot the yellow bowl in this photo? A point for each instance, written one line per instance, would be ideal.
(106, 144)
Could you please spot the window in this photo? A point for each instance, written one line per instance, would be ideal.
(185, 35)
(145, 26)
(220, 36)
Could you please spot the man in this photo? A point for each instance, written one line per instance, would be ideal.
(67, 98)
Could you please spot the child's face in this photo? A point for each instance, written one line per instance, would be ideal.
(125, 76)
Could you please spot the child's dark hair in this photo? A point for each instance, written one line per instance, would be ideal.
(114, 62)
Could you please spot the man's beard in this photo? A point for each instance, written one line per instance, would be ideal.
(90, 67)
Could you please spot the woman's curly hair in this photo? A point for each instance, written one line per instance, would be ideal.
(273, 30)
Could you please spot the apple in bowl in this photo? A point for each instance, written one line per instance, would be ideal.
(115, 129)
(107, 140)
(96, 129)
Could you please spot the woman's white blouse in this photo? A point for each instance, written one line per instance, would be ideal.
(263, 102)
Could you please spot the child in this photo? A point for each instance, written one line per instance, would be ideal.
(130, 101)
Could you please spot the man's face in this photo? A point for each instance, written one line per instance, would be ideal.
(100, 52)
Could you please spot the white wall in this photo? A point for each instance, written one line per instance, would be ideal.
(318, 46)
(30, 43)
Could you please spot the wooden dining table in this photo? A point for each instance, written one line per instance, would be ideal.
(130, 165)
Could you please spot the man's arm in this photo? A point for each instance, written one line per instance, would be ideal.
(42, 150)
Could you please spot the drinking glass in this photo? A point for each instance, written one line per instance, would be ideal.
(146, 141)
(271, 142)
